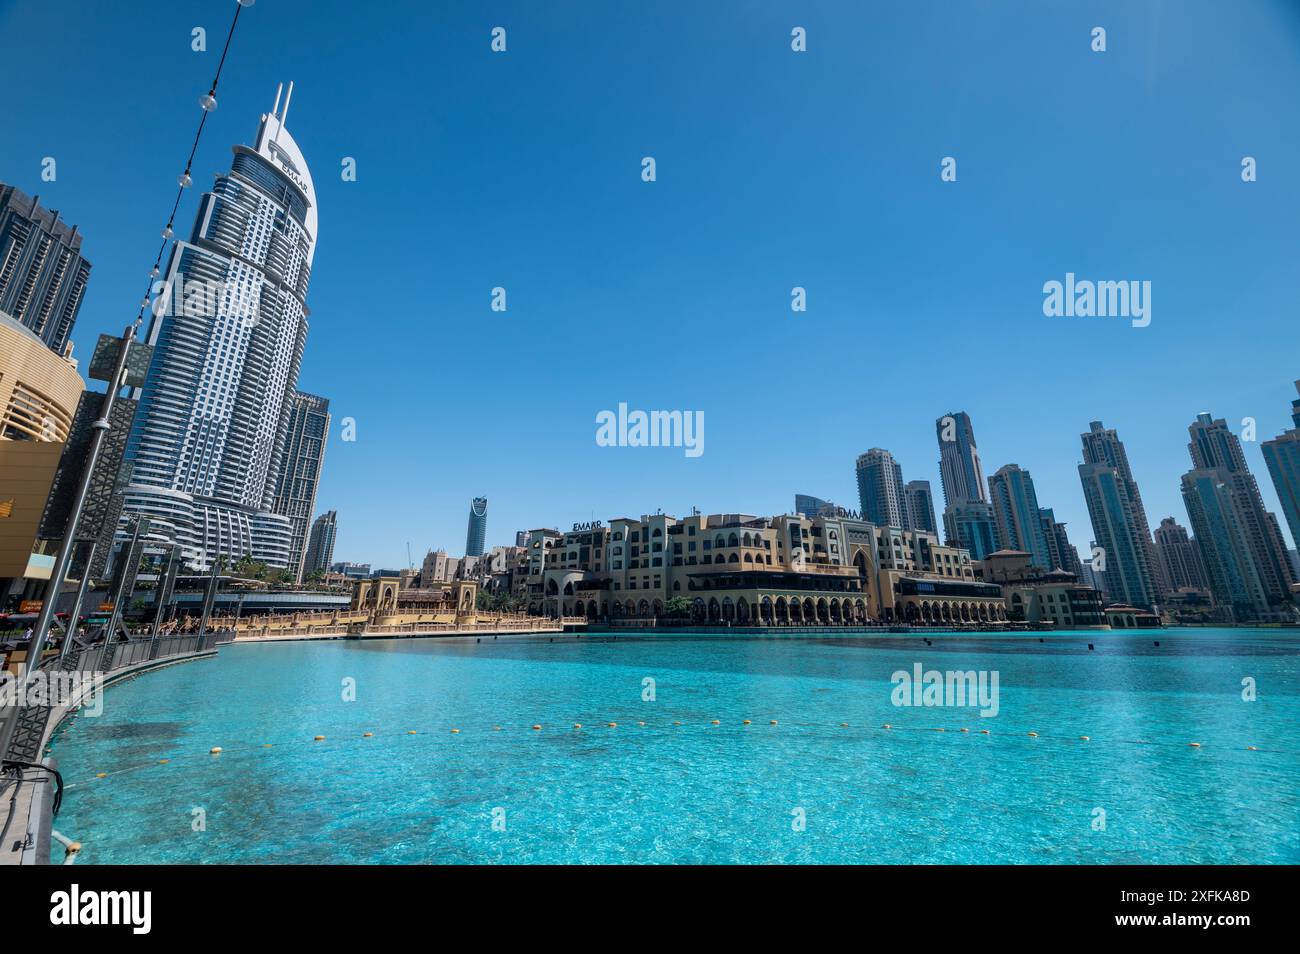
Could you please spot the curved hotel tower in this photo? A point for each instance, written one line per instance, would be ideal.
(228, 333)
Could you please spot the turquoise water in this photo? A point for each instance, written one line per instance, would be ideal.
(697, 792)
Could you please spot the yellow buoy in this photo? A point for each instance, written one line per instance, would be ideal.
(1251, 748)
(163, 761)
(410, 732)
(577, 725)
(746, 721)
(101, 775)
(1034, 734)
(716, 722)
(215, 750)
(455, 731)
(1084, 738)
(319, 738)
(367, 735)
(676, 723)
(266, 745)
(773, 722)
(536, 727)
(940, 730)
(612, 725)
(1194, 745)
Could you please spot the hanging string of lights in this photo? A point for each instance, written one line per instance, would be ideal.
(208, 103)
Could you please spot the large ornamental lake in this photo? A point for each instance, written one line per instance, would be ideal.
(813, 777)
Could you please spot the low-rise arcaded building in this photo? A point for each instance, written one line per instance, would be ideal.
(832, 569)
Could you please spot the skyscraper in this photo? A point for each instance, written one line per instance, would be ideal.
(1225, 546)
(920, 505)
(967, 515)
(959, 460)
(1282, 455)
(1119, 523)
(304, 453)
(1180, 556)
(320, 545)
(1016, 510)
(1215, 449)
(42, 274)
(477, 532)
(1063, 555)
(229, 329)
(881, 494)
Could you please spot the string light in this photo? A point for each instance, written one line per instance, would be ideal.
(208, 103)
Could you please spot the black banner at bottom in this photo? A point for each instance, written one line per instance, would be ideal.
(212, 904)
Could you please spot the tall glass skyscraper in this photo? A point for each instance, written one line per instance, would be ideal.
(229, 327)
(320, 545)
(1019, 518)
(304, 455)
(1119, 522)
(881, 492)
(967, 515)
(42, 274)
(1282, 455)
(1216, 450)
(477, 532)
(920, 505)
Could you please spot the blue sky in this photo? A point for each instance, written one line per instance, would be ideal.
(775, 169)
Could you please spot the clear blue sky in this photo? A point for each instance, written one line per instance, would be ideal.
(775, 169)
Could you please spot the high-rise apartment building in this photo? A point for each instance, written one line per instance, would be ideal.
(1062, 554)
(968, 520)
(320, 544)
(307, 430)
(881, 493)
(1180, 556)
(476, 534)
(229, 329)
(1018, 516)
(1225, 546)
(920, 505)
(42, 273)
(1282, 455)
(1217, 450)
(1119, 522)
(960, 471)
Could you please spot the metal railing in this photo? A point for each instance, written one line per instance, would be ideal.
(103, 659)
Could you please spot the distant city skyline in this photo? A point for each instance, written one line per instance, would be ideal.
(770, 176)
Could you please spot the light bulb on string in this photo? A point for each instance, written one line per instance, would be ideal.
(184, 181)
(167, 233)
(208, 102)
